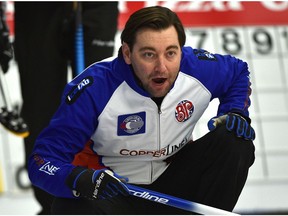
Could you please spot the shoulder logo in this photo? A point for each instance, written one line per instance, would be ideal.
(184, 110)
(131, 124)
(78, 89)
(204, 55)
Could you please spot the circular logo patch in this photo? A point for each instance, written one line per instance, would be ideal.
(184, 110)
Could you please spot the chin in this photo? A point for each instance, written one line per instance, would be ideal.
(158, 95)
(161, 92)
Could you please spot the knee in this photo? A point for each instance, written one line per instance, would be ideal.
(235, 147)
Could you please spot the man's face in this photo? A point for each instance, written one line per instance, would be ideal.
(155, 59)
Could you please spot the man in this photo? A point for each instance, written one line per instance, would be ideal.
(131, 118)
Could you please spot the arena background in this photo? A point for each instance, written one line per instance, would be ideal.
(257, 32)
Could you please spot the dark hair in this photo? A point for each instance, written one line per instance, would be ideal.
(155, 17)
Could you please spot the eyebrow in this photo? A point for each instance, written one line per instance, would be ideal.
(153, 49)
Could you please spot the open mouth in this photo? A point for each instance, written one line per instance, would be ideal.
(159, 80)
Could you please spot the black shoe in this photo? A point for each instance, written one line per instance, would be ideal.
(13, 122)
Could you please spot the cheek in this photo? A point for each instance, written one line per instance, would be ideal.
(142, 70)
(141, 73)
(174, 70)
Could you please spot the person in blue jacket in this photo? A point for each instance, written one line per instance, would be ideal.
(130, 119)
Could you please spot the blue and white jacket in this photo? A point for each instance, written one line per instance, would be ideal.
(106, 120)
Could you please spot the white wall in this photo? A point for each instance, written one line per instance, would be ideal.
(267, 184)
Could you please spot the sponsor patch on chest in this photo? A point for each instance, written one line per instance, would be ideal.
(131, 124)
(184, 110)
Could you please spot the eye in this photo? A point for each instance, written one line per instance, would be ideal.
(171, 54)
(148, 55)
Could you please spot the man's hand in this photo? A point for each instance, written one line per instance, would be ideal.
(235, 123)
(96, 184)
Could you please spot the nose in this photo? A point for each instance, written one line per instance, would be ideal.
(160, 64)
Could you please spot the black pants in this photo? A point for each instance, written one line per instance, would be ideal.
(211, 171)
(44, 47)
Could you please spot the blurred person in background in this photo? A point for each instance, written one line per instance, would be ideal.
(44, 48)
(9, 114)
(6, 52)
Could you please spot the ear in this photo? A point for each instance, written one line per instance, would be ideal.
(126, 53)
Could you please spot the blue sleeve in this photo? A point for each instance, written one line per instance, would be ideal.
(237, 96)
(226, 78)
(66, 135)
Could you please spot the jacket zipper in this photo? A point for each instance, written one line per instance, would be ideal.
(158, 139)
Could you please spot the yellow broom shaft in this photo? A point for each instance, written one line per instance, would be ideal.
(1, 180)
